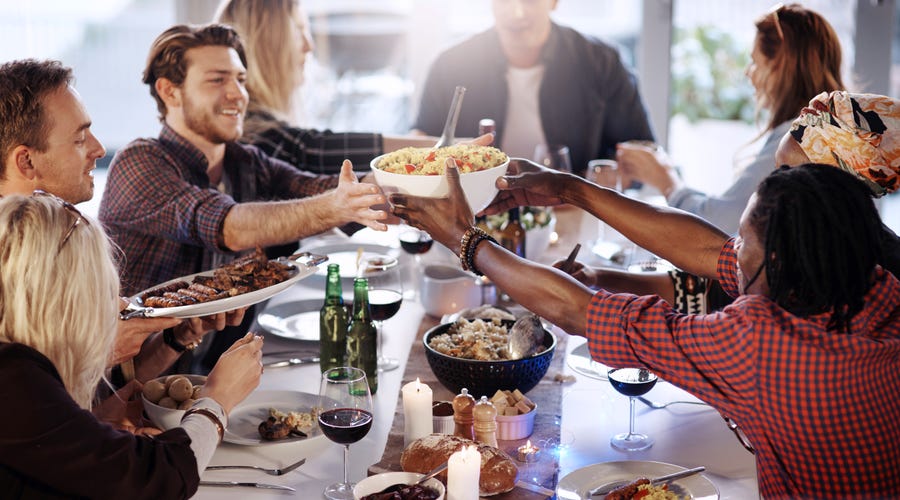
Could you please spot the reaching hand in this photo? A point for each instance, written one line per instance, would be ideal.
(529, 184)
(353, 200)
(131, 334)
(445, 219)
(123, 410)
(584, 274)
(236, 373)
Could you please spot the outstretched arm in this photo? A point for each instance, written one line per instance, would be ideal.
(685, 240)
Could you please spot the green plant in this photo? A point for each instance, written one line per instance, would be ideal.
(708, 78)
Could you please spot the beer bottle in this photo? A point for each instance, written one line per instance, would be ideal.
(512, 236)
(333, 323)
(361, 337)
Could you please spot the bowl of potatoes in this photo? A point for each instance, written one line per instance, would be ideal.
(167, 398)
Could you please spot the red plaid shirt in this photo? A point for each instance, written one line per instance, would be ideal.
(818, 406)
(160, 208)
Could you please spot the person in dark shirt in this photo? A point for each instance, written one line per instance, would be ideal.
(541, 83)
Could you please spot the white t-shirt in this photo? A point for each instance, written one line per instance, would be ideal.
(523, 115)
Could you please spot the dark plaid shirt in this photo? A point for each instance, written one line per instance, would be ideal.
(819, 406)
(160, 208)
(321, 152)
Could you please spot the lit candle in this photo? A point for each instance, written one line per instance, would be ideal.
(528, 452)
(463, 474)
(416, 411)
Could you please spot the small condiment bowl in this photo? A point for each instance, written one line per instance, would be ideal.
(378, 482)
(511, 427)
(443, 424)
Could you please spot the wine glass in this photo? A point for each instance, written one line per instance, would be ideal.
(385, 297)
(631, 382)
(610, 245)
(555, 156)
(345, 416)
(415, 242)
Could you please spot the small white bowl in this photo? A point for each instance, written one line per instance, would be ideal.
(378, 482)
(166, 418)
(513, 427)
(479, 187)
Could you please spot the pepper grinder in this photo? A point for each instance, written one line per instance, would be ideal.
(485, 422)
(463, 406)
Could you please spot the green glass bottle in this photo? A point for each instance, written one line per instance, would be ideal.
(361, 337)
(333, 323)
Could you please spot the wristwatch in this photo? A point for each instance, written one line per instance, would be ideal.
(170, 340)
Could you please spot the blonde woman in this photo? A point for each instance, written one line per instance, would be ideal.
(59, 292)
(277, 41)
(796, 55)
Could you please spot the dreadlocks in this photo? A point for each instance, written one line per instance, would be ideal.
(823, 238)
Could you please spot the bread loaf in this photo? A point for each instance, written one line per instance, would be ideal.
(498, 470)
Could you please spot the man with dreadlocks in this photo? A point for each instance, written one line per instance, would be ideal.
(811, 298)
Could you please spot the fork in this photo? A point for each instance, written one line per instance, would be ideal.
(658, 406)
(272, 472)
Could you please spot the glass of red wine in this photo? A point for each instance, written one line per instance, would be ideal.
(631, 382)
(385, 297)
(416, 242)
(345, 417)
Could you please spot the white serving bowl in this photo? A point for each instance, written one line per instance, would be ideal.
(166, 418)
(478, 187)
(510, 427)
(378, 482)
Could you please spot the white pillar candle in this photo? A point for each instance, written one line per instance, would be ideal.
(417, 417)
(463, 474)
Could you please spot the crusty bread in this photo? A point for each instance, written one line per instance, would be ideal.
(498, 470)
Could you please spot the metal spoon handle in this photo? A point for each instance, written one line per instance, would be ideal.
(677, 475)
(449, 132)
(434, 472)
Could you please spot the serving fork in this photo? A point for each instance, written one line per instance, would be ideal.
(272, 472)
(658, 406)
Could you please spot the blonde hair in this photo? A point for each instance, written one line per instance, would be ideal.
(58, 300)
(265, 29)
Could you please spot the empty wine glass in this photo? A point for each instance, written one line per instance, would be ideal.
(610, 244)
(385, 297)
(631, 382)
(345, 417)
(555, 156)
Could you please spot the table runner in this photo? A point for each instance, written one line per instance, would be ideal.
(547, 395)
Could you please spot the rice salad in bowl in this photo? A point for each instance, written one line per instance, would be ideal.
(425, 161)
(420, 172)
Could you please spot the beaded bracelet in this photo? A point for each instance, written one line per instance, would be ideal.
(210, 415)
(467, 246)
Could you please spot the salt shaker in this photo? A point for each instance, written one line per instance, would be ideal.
(485, 422)
(463, 406)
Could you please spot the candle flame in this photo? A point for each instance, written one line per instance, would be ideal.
(418, 385)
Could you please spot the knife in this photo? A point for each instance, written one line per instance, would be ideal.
(292, 362)
(228, 484)
(604, 490)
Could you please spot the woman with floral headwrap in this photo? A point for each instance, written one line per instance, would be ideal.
(858, 133)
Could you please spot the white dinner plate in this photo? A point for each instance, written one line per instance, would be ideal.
(577, 484)
(244, 420)
(296, 320)
(299, 272)
(345, 255)
(580, 361)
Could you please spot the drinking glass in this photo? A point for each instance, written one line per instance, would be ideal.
(631, 382)
(385, 297)
(416, 242)
(555, 156)
(345, 417)
(610, 245)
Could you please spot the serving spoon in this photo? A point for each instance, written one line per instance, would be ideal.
(525, 336)
(449, 133)
(400, 486)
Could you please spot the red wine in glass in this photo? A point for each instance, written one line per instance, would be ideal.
(631, 382)
(384, 304)
(345, 425)
(415, 242)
